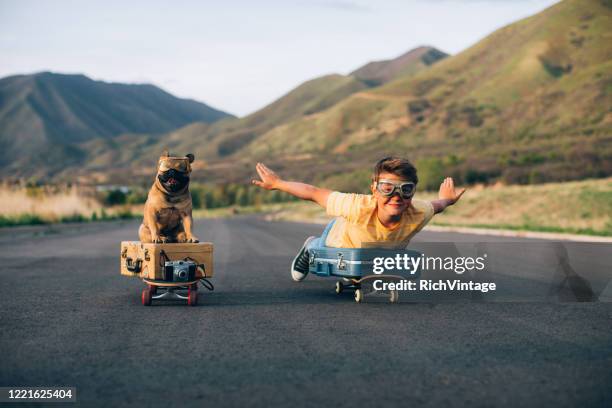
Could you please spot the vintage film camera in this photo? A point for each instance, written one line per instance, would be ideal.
(179, 271)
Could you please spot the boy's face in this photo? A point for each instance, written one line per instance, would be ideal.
(395, 204)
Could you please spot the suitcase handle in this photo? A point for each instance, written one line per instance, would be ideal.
(134, 267)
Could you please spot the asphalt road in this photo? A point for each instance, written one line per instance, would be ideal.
(69, 319)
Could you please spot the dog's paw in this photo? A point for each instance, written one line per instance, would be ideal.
(193, 240)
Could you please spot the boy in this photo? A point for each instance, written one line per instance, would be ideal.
(388, 218)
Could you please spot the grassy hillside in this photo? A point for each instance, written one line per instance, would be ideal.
(307, 99)
(138, 153)
(530, 103)
(304, 102)
(216, 145)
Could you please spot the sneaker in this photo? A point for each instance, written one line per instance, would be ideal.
(299, 266)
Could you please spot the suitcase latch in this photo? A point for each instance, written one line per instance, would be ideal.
(341, 262)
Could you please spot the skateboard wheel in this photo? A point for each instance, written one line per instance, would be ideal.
(153, 289)
(146, 297)
(358, 295)
(192, 297)
(393, 296)
(339, 287)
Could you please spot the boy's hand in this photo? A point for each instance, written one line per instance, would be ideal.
(448, 192)
(269, 179)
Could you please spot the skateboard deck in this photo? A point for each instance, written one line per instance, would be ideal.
(169, 284)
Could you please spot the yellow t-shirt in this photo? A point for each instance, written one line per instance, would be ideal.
(358, 226)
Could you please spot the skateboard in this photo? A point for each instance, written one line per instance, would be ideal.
(163, 290)
(361, 291)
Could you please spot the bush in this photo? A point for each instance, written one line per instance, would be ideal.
(136, 197)
(114, 197)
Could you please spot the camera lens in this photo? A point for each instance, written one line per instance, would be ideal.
(182, 274)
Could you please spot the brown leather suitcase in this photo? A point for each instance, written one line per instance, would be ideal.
(147, 260)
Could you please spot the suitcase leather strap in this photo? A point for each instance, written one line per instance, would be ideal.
(133, 266)
(130, 264)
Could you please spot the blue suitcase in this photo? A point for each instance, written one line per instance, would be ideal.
(353, 262)
(354, 265)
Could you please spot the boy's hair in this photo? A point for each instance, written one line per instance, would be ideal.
(398, 166)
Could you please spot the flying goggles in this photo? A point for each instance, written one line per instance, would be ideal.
(388, 188)
(176, 163)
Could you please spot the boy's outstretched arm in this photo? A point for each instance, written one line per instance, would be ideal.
(447, 195)
(271, 181)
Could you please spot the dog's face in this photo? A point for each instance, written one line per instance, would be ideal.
(173, 172)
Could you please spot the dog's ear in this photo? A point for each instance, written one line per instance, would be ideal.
(165, 153)
(191, 157)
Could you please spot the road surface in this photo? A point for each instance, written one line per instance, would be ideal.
(69, 319)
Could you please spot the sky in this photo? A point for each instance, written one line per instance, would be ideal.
(236, 56)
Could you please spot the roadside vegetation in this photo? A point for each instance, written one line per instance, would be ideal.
(36, 204)
(580, 207)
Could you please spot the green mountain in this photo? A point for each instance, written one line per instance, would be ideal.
(306, 101)
(213, 143)
(379, 72)
(220, 139)
(46, 117)
(529, 103)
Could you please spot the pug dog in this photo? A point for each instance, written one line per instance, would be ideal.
(167, 211)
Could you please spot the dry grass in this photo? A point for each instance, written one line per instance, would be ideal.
(582, 206)
(50, 204)
(577, 207)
